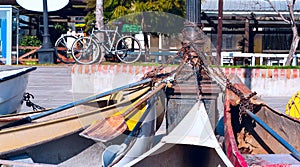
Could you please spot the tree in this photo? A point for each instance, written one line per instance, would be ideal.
(99, 14)
(116, 9)
(290, 20)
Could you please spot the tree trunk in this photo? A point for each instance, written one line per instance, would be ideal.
(99, 14)
(100, 25)
(293, 47)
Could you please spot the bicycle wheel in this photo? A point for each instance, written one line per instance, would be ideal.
(85, 50)
(128, 49)
(63, 49)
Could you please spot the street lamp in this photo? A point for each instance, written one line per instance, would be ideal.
(46, 52)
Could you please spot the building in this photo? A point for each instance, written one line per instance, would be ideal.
(251, 26)
(8, 33)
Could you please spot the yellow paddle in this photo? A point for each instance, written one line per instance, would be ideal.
(111, 127)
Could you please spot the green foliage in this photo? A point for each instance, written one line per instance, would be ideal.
(88, 19)
(61, 27)
(116, 9)
(29, 40)
(119, 11)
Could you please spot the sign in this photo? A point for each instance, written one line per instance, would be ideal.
(37, 5)
(131, 28)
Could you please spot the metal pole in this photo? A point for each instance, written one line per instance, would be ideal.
(219, 35)
(46, 36)
(46, 53)
(281, 140)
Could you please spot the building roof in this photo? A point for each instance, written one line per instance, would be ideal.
(259, 12)
(246, 6)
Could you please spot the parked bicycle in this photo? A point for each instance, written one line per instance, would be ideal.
(63, 47)
(87, 50)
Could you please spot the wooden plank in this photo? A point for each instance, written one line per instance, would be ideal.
(26, 55)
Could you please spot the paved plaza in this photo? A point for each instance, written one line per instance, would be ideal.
(52, 87)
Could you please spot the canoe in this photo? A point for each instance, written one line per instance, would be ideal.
(58, 133)
(13, 84)
(262, 137)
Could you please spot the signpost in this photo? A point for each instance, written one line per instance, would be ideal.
(46, 52)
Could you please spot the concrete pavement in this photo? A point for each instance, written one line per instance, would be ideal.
(51, 86)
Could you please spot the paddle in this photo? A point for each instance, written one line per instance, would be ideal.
(111, 152)
(294, 152)
(69, 105)
(111, 127)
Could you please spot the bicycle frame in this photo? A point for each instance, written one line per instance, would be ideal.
(109, 46)
(122, 47)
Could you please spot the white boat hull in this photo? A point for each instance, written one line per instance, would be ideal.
(13, 86)
(191, 143)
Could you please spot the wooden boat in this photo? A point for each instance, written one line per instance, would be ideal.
(141, 138)
(262, 137)
(187, 137)
(13, 84)
(58, 133)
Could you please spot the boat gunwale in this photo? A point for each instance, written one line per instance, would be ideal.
(74, 116)
(29, 69)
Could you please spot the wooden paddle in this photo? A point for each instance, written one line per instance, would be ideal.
(115, 153)
(69, 105)
(111, 127)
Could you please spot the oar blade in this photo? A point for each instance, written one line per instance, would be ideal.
(105, 130)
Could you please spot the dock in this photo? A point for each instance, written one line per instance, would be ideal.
(51, 87)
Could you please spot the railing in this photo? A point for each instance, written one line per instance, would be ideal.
(29, 56)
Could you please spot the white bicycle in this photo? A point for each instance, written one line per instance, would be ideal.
(87, 50)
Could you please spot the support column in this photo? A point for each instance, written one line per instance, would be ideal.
(219, 35)
(247, 31)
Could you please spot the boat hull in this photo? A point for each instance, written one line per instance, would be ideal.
(191, 143)
(249, 144)
(61, 124)
(13, 87)
(145, 138)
